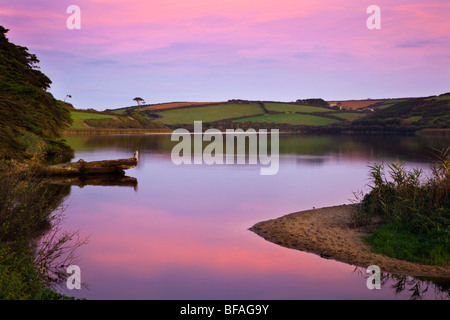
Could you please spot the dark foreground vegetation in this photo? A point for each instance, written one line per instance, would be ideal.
(31, 119)
(32, 247)
(31, 124)
(411, 212)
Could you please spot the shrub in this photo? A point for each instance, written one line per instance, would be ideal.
(414, 212)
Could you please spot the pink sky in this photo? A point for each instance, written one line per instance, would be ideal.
(198, 50)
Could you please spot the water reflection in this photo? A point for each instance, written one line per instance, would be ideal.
(31, 215)
(184, 234)
(416, 287)
(95, 180)
(407, 148)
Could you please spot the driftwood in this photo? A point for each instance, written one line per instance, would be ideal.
(84, 168)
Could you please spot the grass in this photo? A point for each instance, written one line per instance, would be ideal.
(288, 107)
(172, 105)
(291, 118)
(30, 242)
(348, 115)
(120, 111)
(445, 97)
(208, 113)
(79, 118)
(163, 106)
(399, 241)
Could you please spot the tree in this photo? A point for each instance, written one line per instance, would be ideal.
(139, 100)
(31, 119)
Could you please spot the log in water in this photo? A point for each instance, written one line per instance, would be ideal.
(82, 167)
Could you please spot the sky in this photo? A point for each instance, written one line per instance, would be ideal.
(216, 50)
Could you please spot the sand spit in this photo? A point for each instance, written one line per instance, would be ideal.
(328, 233)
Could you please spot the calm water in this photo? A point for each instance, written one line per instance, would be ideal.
(183, 234)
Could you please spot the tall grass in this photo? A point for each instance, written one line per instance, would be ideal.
(413, 211)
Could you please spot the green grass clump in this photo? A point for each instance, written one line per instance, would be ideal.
(291, 118)
(414, 213)
(399, 240)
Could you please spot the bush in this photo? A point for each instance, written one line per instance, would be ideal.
(414, 213)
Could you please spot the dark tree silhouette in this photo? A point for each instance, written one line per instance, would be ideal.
(139, 101)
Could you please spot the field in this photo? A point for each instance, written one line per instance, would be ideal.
(209, 113)
(287, 107)
(293, 118)
(79, 117)
(164, 106)
(394, 114)
(171, 105)
(348, 115)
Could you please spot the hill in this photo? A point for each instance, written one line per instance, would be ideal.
(405, 115)
(410, 114)
(31, 119)
(107, 121)
(239, 112)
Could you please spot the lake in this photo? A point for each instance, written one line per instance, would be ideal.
(183, 232)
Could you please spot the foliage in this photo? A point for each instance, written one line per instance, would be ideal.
(27, 110)
(313, 102)
(414, 212)
(416, 113)
(137, 120)
(30, 245)
(399, 116)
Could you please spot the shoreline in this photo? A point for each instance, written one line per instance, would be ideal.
(327, 232)
(424, 132)
(88, 131)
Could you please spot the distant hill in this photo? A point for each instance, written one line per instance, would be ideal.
(411, 113)
(238, 112)
(91, 120)
(405, 115)
(31, 119)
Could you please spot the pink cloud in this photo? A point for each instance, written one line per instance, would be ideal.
(318, 38)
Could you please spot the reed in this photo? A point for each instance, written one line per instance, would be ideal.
(412, 212)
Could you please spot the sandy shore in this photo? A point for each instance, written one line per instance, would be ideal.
(327, 232)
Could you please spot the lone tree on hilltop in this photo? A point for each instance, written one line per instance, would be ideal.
(139, 101)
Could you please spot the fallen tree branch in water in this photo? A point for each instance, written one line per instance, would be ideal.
(82, 167)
